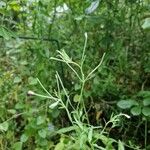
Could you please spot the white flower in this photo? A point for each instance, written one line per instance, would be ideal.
(30, 93)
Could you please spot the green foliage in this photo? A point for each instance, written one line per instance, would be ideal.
(6, 33)
(137, 108)
(124, 104)
(75, 105)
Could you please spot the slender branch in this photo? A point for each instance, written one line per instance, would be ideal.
(89, 75)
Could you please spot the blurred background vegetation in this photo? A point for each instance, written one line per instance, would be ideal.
(30, 33)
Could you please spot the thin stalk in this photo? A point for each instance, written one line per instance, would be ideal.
(43, 96)
(83, 54)
(113, 120)
(74, 72)
(81, 100)
(68, 113)
(44, 88)
(64, 90)
(68, 66)
(58, 87)
(63, 60)
(89, 75)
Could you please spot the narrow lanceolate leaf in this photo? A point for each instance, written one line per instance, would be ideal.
(90, 135)
(52, 106)
(67, 129)
(94, 5)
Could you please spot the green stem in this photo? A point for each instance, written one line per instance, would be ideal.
(81, 100)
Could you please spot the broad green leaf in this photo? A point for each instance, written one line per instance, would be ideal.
(136, 110)
(42, 133)
(146, 111)
(146, 24)
(120, 146)
(17, 80)
(125, 104)
(32, 81)
(94, 5)
(4, 126)
(17, 146)
(144, 94)
(11, 111)
(55, 113)
(96, 80)
(23, 138)
(19, 105)
(77, 86)
(146, 102)
(40, 120)
(76, 98)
